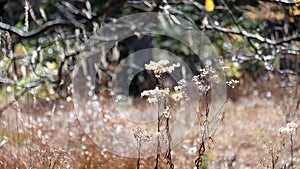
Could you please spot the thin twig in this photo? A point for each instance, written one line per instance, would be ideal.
(168, 154)
(254, 36)
(292, 151)
(139, 153)
(158, 141)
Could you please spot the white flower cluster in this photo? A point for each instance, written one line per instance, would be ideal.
(232, 83)
(292, 125)
(180, 91)
(141, 134)
(205, 71)
(289, 129)
(155, 94)
(161, 67)
(196, 80)
(201, 83)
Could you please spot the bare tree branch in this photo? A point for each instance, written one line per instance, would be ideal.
(45, 27)
(287, 2)
(254, 36)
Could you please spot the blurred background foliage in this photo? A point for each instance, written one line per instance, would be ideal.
(252, 38)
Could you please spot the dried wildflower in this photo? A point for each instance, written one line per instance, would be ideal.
(141, 134)
(161, 67)
(283, 130)
(152, 100)
(178, 96)
(232, 83)
(196, 80)
(180, 91)
(289, 129)
(202, 80)
(292, 125)
(202, 83)
(206, 71)
(155, 94)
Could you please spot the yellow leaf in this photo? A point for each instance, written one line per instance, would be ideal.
(53, 65)
(238, 74)
(296, 11)
(209, 5)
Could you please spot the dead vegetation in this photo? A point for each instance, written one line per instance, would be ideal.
(247, 137)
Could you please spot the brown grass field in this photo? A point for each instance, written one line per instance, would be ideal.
(49, 136)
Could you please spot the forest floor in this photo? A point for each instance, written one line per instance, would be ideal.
(52, 137)
(248, 136)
